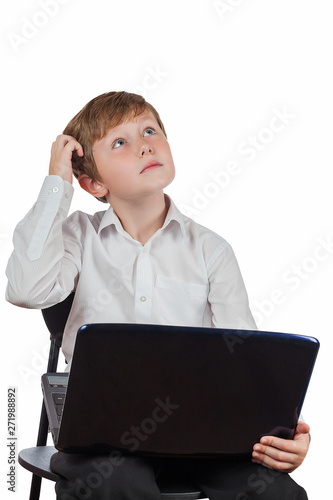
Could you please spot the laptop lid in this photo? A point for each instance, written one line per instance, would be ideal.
(169, 390)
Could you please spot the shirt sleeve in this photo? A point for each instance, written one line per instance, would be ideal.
(227, 294)
(46, 259)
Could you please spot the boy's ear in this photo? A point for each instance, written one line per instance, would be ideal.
(93, 187)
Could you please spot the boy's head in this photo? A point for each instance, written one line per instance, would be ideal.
(94, 121)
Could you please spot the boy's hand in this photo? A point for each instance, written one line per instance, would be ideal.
(61, 156)
(284, 455)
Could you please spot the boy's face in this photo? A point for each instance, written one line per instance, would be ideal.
(134, 159)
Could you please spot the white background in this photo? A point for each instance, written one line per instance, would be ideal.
(217, 76)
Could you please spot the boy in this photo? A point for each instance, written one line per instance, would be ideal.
(139, 261)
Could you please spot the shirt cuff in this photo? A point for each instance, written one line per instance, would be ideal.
(56, 192)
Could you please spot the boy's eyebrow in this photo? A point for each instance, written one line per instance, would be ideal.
(146, 117)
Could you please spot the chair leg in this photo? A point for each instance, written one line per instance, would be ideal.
(43, 428)
(36, 483)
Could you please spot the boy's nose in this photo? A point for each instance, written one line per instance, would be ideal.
(145, 148)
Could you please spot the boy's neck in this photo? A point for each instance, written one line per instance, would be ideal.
(141, 218)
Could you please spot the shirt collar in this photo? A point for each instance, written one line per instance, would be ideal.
(110, 218)
(174, 214)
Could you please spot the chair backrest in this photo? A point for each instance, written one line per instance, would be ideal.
(56, 316)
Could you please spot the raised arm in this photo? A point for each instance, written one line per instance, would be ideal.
(46, 258)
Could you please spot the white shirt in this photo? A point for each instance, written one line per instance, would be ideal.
(184, 275)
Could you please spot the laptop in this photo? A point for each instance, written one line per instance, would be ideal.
(178, 391)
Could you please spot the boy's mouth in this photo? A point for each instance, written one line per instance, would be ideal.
(150, 165)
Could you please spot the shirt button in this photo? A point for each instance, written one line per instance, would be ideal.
(66, 195)
(55, 189)
(143, 298)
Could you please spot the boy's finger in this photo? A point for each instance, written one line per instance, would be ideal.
(302, 428)
(79, 150)
(72, 145)
(68, 142)
(271, 463)
(281, 444)
(261, 452)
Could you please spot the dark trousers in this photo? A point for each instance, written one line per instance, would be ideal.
(129, 477)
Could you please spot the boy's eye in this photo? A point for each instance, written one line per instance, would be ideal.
(149, 131)
(118, 143)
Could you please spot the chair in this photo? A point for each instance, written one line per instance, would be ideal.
(37, 459)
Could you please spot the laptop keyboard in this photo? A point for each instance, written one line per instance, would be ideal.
(58, 399)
